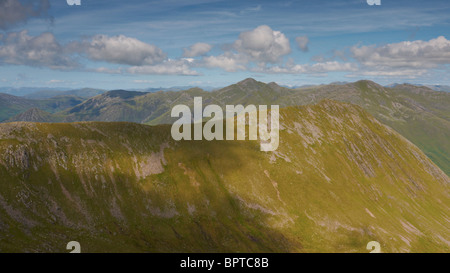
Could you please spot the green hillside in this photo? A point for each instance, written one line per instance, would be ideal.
(416, 112)
(338, 180)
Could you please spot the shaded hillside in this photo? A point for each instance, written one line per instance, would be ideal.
(140, 107)
(338, 180)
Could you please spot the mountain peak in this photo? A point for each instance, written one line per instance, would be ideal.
(368, 82)
(248, 81)
(124, 94)
(273, 84)
(32, 115)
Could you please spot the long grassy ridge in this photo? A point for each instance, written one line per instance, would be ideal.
(338, 180)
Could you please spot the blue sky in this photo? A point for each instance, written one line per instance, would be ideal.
(141, 44)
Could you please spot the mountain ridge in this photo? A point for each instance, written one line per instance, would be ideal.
(338, 180)
(417, 112)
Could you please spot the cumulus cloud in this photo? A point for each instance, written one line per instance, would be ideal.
(19, 48)
(332, 66)
(316, 68)
(13, 12)
(197, 49)
(405, 73)
(228, 61)
(120, 50)
(107, 70)
(263, 44)
(405, 55)
(302, 42)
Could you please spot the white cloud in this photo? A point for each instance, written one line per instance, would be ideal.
(143, 81)
(265, 47)
(332, 66)
(107, 70)
(121, 50)
(405, 55)
(169, 67)
(189, 60)
(44, 50)
(228, 61)
(55, 81)
(302, 42)
(263, 44)
(317, 68)
(197, 49)
(405, 73)
(19, 48)
(251, 9)
(408, 59)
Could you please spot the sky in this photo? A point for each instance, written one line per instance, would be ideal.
(133, 44)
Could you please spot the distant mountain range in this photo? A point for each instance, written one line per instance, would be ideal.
(81, 93)
(12, 105)
(437, 87)
(419, 113)
(177, 88)
(23, 91)
(444, 88)
(50, 92)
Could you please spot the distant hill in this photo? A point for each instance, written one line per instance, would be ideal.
(436, 87)
(444, 88)
(338, 180)
(11, 106)
(178, 88)
(23, 91)
(81, 93)
(33, 115)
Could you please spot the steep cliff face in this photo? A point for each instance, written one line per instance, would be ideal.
(338, 180)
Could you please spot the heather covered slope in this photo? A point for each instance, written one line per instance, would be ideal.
(338, 180)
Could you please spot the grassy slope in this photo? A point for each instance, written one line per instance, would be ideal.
(338, 180)
(418, 113)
